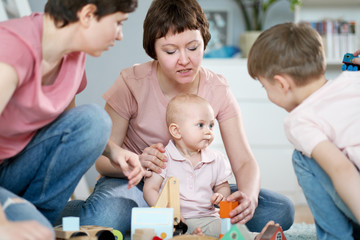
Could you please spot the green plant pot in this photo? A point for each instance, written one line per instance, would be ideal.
(246, 40)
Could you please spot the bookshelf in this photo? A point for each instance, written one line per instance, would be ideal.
(337, 21)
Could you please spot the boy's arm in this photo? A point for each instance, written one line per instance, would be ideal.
(343, 174)
(151, 189)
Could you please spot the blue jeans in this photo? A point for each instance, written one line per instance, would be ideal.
(47, 171)
(333, 218)
(111, 202)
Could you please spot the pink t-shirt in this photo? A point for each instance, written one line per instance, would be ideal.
(137, 97)
(331, 113)
(32, 106)
(197, 183)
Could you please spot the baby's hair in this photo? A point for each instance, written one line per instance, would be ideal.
(65, 12)
(289, 48)
(176, 104)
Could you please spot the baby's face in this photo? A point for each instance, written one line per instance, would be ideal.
(196, 126)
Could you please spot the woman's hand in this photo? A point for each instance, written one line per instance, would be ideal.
(153, 159)
(129, 164)
(245, 210)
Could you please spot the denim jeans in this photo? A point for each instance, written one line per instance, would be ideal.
(333, 218)
(111, 202)
(47, 171)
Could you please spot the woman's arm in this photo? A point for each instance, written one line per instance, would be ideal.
(8, 84)
(116, 161)
(342, 172)
(244, 167)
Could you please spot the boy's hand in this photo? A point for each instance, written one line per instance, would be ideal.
(356, 60)
(216, 198)
(153, 159)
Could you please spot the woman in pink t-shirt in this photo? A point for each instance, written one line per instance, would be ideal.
(176, 33)
(46, 143)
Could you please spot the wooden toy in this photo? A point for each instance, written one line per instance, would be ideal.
(89, 232)
(169, 197)
(238, 232)
(144, 234)
(273, 232)
(192, 237)
(161, 220)
(225, 209)
(348, 64)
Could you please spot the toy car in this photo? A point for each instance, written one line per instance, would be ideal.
(348, 64)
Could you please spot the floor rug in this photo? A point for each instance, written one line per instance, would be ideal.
(301, 231)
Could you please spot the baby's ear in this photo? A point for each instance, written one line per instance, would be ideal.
(175, 131)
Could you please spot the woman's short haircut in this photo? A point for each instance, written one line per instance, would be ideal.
(175, 16)
(65, 12)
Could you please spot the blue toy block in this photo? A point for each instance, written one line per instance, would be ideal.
(71, 224)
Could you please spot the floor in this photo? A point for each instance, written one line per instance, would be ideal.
(303, 214)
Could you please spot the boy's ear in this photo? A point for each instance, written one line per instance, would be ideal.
(86, 14)
(174, 131)
(284, 82)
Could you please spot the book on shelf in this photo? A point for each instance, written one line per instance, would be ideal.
(339, 37)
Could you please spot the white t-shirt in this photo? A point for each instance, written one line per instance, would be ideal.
(331, 113)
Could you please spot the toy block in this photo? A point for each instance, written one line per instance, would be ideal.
(237, 232)
(226, 207)
(70, 223)
(273, 232)
(161, 220)
(193, 237)
(144, 234)
(225, 225)
(85, 232)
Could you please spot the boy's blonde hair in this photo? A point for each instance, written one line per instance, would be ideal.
(292, 49)
(174, 109)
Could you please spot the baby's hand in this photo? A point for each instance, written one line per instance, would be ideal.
(198, 231)
(216, 198)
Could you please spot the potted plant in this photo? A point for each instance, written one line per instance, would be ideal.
(254, 13)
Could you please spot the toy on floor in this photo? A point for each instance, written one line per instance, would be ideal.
(160, 220)
(348, 64)
(164, 217)
(273, 232)
(225, 209)
(238, 232)
(170, 198)
(192, 237)
(70, 229)
(85, 233)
